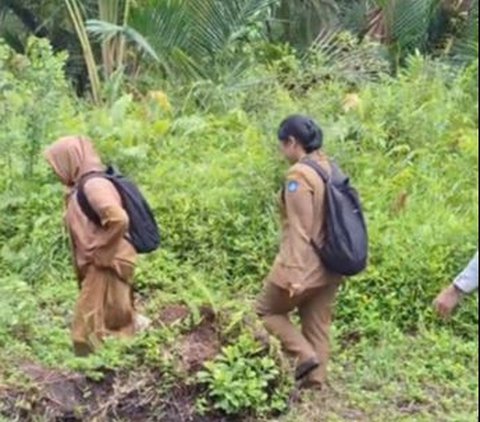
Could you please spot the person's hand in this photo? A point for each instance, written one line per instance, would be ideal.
(295, 289)
(447, 301)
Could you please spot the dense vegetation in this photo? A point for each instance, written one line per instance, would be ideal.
(116, 42)
(203, 148)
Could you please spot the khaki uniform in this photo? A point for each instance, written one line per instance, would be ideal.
(298, 278)
(104, 261)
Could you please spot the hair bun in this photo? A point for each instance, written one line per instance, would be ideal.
(304, 130)
(312, 130)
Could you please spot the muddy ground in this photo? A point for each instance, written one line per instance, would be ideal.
(55, 395)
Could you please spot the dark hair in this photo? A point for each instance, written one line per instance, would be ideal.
(304, 130)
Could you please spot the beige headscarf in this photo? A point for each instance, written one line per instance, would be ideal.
(72, 157)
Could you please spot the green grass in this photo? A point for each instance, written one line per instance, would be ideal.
(431, 376)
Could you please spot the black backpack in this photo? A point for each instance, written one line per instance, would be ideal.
(345, 250)
(143, 230)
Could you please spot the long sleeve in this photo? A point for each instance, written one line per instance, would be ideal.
(299, 215)
(105, 200)
(467, 281)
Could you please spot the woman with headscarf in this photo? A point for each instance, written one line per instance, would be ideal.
(103, 259)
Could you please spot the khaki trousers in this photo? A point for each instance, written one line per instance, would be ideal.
(315, 310)
(104, 307)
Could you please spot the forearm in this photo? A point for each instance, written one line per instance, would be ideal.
(114, 224)
(467, 281)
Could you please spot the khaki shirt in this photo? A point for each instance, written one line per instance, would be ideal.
(302, 210)
(106, 246)
(72, 158)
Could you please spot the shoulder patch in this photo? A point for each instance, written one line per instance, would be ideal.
(292, 186)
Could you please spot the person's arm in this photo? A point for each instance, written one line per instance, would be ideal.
(465, 283)
(299, 209)
(105, 200)
(76, 268)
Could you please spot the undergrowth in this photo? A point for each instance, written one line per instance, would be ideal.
(212, 176)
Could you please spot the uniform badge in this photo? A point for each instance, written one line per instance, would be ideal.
(292, 186)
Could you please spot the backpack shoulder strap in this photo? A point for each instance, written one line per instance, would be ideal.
(318, 169)
(83, 201)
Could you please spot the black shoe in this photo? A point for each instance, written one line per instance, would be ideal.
(306, 384)
(305, 368)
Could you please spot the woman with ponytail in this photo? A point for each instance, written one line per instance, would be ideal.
(298, 280)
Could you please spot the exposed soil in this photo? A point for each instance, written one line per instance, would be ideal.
(70, 397)
(173, 314)
(200, 345)
(55, 395)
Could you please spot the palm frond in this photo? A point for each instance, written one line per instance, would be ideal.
(353, 16)
(465, 48)
(106, 31)
(220, 23)
(167, 28)
(409, 21)
(304, 21)
(189, 35)
(343, 55)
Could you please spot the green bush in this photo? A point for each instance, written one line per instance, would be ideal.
(243, 379)
(35, 102)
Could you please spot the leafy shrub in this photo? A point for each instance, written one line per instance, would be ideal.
(34, 101)
(244, 379)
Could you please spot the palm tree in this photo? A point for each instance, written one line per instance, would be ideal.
(189, 38)
(193, 37)
(300, 22)
(408, 25)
